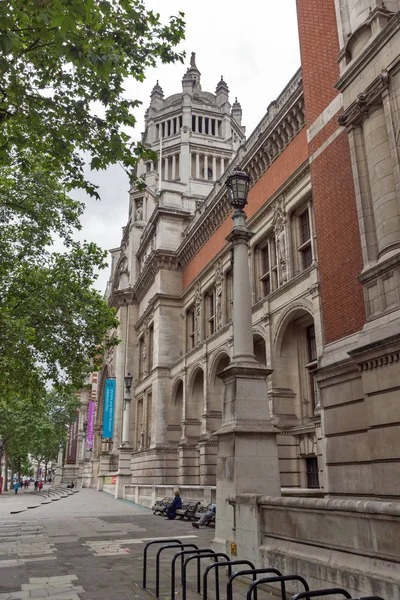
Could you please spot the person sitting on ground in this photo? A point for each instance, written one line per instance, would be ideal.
(206, 518)
(175, 504)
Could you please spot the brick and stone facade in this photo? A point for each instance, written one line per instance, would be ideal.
(324, 256)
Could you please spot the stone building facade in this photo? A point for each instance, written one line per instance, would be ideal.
(323, 209)
(324, 256)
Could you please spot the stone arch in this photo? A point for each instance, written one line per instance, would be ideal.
(293, 393)
(260, 349)
(175, 412)
(194, 403)
(299, 307)
(121, 276)
(216, 390)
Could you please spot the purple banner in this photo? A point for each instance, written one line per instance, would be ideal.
(90, 425)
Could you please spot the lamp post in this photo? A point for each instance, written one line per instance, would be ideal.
(126, 422)
(247, 461)
(238, 184)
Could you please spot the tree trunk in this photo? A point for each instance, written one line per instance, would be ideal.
(45, 471)
(5, 486)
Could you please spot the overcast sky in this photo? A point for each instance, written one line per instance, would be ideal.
(253, 44)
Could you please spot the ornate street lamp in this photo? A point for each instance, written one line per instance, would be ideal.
(126, 421)
(128, 382)
(238, 184)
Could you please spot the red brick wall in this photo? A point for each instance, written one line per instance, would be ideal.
(336, 223)
(290, 160)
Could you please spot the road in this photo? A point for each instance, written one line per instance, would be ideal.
(87, 546)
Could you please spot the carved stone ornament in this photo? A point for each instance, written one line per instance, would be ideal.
(356, 112)
(280, 239)
(139, 210)
(219, 278)
(197, 312)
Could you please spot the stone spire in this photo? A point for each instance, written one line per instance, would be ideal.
(191, 79)
(236, 112)
(222, 92)
(157, 95)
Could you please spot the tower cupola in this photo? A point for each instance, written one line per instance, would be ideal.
(191, 79)
(157, 96)
(236, 112)
(222, 92)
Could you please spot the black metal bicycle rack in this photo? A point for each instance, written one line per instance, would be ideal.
(158, 561)
(254, 572)
(181, 554)
(216, 566)
(145, 555)
(327, 592)
(209, 555)
(253, 586)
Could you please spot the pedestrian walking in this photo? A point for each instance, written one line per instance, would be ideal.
(16, 486)
(36, 485)
(40, 485)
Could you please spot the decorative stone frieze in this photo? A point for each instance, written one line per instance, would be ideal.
(381, 361)
(355, 113)
(157, 260)
(282, 122)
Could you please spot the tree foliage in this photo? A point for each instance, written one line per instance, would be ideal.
(60, 60)
(63, 68)
(36, 426)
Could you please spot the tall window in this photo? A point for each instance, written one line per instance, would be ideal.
(266, 268)
(151, 346)
(209, 301)
(304, 247)
(229, 296)
(141, 358)
(312, 365)
(312, 472)
(190, 328)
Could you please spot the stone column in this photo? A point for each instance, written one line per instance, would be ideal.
(197, 165)
(166, 169)
(214, 168)
(383, 186)
(173, 167)
(205, 167)
(126, 422)
(222, 165)
(247, 448)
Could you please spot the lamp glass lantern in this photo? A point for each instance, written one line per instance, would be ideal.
(238, 184)
(128, 381)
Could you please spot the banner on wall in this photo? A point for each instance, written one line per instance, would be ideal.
(109, 403)
(90, 425)
(72, 441)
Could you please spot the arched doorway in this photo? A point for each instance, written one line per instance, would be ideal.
(260, 351)
(175, 414)
(293, 393)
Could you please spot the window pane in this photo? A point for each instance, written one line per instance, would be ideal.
(307, 257)
(304, 227)
(264, 260)
(312, 346)
(266, 285)
(312, 472)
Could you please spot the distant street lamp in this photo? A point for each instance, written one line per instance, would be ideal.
(126, 422)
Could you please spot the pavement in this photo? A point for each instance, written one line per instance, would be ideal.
(85, 546)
